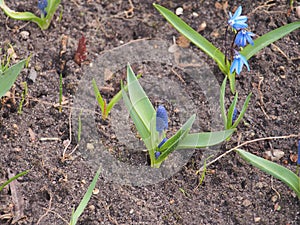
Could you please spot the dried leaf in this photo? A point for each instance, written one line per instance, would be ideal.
(274, 155)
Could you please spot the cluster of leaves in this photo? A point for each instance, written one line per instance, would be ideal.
(47, 8)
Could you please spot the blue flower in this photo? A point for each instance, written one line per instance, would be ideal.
(243, 37)
(238, 62)
(234, 115)
(42, 4)
(236, 21)
(161, 119)
(162, 142)
(157, 154)
(298, 161)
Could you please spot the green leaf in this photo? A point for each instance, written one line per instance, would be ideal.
(9, 76)
(243, 111)
(139, 99)
(140, 126)
(171, 144)
(222, 101)
(205, 139)
(274, 169)
(269, 38)
(85, 200)
(231, 110)
(195, 37)
(13, 178)
(100, 100)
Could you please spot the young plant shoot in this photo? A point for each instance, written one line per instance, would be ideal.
(152, 125)
(47, 9)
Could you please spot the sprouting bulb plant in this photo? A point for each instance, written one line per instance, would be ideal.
(237, 22)
(46, 7)
(152, 125)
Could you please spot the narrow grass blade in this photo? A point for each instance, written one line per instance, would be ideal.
(139, 99)
(205, 139)
(85, 200)
(9, 76)
(13, 178)
(194, 37)
(172, 143)
(274, 169)
(269, 38)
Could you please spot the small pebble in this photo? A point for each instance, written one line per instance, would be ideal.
(90, 146)
(298, 11)
(131, 211)
(256, 219)
(195, 14)
(179, 11)
(32, 75)
(246, 203)
(96, 191)
(24, 34)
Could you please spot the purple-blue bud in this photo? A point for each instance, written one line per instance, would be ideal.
(161, 119)
(234, 115)
(157, 154)
(42, 4)
(162, 142)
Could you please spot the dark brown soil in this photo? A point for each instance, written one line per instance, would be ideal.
(233, 192)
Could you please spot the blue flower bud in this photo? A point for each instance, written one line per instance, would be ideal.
(243, 37)
(157, 154)
(161, 119)
(234, 115)
(42, 4)
(162, 142)
(238, 62)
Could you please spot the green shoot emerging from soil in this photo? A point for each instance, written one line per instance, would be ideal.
(145, 119)
(48, 8)
(104, 106)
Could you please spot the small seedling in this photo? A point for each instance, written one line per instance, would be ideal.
(86, 198)
(46, 7)
(104, 106)
(152, 125)
(24, 94)
(12, 179)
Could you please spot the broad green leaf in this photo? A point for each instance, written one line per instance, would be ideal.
(172, 143)
(194, 37)
(274, 169)
(9, 76)
(139, 99)
(205, 139)
(85, 199)
(243, 111)
(13, 178)
(143, 130)
(269, 38)
(231, 110)
(154, 139)
(100, 100)
(222, 101)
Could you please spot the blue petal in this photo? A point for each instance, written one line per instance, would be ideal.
(233, 65)
(237, 13)
(244, 61)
